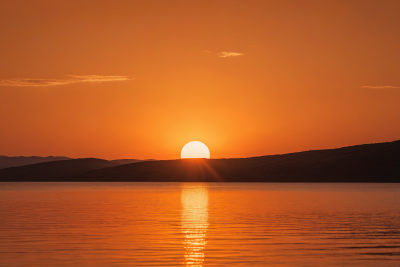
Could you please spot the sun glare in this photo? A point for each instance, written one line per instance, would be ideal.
(195, 149)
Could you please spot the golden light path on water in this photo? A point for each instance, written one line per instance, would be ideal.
(194, 201)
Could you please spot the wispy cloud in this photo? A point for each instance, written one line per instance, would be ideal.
(230, 54)
(71, 79)
(381, 87)
(206, 51)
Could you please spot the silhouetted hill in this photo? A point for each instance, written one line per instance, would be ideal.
(362, 163)
(64, 170)
(6, 162)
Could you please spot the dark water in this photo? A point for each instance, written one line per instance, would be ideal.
(199, 224)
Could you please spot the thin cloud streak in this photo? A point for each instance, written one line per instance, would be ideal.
(53, 82)
(381, 87)
(229, 54)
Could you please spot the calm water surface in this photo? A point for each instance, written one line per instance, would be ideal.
(199, 224)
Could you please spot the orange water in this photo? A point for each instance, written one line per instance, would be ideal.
(199, 224)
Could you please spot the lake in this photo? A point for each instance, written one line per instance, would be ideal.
(199, 224)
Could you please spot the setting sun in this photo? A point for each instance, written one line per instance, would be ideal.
(195, 149)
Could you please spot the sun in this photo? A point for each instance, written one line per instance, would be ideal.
(195, 149)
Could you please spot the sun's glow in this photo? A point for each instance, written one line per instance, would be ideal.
(195, 149)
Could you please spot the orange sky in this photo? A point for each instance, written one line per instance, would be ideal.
(140, 79)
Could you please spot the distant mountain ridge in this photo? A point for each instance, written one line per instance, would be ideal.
(126, 161)
(6, 162)
(377, 163)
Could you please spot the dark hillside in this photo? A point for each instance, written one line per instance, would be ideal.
(362, 163)
(64, 170)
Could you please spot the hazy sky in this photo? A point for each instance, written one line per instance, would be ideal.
(140, 79)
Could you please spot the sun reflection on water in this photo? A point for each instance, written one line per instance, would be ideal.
(194, 199)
